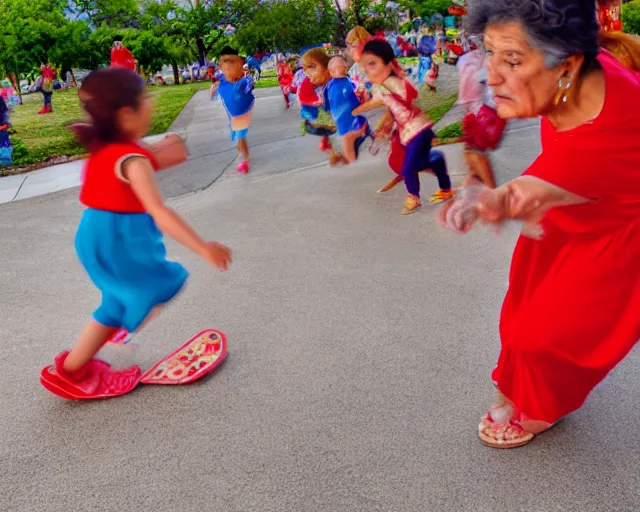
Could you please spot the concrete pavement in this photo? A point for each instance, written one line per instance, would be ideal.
(360, 342)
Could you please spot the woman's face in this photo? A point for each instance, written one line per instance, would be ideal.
(523, 86)
(317, 73)
(375, 68)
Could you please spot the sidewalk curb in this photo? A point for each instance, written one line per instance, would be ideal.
(46, 180)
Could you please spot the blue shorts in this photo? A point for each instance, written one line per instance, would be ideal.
(237, 135)
(125, 257)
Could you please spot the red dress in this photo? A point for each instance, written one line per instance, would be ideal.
(572, 311)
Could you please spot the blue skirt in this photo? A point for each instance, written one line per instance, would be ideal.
(125, 257)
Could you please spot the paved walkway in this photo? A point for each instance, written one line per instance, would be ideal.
(361, 343)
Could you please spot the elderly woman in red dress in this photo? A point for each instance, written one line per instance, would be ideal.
(572, 310)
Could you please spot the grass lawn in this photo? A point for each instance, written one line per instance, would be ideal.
(40, 138)
(436, 105)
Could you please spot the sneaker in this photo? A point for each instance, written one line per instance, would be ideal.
(411, 204)
(243, 168)
(392, 184)
(441, 196)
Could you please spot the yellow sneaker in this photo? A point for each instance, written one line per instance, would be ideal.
(391, 184)
(411, 204)
(441, 196)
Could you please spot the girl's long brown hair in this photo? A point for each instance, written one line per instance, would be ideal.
(624, 47)
(102, 94)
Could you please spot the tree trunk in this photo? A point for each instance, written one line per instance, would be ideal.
(202, 51)
(342, 31)
(16, 86)
(176, 71)
(73, 79)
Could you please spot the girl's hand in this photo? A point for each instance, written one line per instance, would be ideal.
(170, 151)
(217, 254)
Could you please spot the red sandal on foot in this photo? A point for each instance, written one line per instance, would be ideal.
(94, 380)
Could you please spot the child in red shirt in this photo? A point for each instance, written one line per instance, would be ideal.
(119, 240)
(285, 79)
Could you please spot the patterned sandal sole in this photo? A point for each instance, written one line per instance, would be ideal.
(190, 362)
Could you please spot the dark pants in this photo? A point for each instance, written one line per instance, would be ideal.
(47, 98)
(417, 158)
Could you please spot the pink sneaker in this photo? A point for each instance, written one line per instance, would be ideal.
(244, 167)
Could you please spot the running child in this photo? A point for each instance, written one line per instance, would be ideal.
(316, 120)
(235, 87)
(340, 101)
(285, 78)
(414, 126)
(120, 237)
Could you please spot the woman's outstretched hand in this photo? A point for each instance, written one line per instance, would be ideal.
(513, 200)
(462, 213)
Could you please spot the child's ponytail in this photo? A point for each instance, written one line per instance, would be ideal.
(624, 47)
(102, 94)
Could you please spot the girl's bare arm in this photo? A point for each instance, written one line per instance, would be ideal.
(368, 106)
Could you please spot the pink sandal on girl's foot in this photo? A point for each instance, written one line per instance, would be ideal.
(243, 168)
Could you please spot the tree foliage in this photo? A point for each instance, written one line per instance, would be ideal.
(287, 25)
(427, 8)
(80, 33)
(631, 17)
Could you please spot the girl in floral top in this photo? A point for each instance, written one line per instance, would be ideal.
(414, 126)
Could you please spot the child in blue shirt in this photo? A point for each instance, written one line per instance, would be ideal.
(235, 88)
(341, 100)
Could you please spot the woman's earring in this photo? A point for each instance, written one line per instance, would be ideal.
(563, 91)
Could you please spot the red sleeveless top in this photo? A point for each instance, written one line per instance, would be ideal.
(104, 186)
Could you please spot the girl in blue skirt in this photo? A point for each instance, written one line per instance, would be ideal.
(119, 240)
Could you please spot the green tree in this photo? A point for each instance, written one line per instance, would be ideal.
(164, 19)
(72, 48)
(288, 25)
(110, 13)
(204, 22)
(27, 36)
(427, 8)
(373, 16)
(631, 17)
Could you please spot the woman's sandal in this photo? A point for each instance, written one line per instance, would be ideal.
(508, 434)
(501, 427)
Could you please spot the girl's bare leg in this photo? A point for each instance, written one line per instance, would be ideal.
(243, 149)
(94, 336)
(479, 167)
(349, 146)
(485, 170)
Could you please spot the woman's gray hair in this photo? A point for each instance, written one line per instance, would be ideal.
(558, 28)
